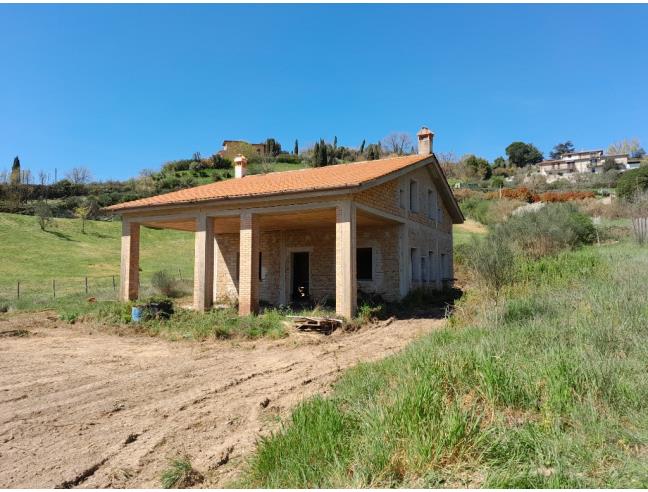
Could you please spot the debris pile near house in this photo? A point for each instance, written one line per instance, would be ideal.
(320, 325)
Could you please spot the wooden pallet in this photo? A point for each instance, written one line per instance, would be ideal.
(320, 325)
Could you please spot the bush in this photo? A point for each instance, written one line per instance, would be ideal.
(552, 228)
(164, 284)
(491, 260)
(632, 182)
(523, 194)
(565, 196)
(220, 162)
(288, 159)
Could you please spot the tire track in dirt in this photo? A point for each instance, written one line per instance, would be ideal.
(85, 408)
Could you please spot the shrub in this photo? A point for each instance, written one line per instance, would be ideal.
(69, 316)
(491, 260)
(632, 182)
(288, 159)
(565, 196)
(548, 230)
(220, 162)
(164, 284)
(523, 194)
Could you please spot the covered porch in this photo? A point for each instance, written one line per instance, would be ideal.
(277, 254)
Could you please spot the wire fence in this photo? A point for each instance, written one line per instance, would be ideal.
(46, 290)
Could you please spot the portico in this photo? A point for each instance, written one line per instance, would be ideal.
(284, 238)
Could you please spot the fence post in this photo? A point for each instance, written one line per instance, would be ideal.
(113, 278)
(54, 287)
(86, 285)
(180, 273)
(18, 289)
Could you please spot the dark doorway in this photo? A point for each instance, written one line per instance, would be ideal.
(300, 280)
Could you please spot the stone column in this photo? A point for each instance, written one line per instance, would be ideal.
(203, 263)
(129, 275)
(404, 269)
(249, 264)
(345, 260)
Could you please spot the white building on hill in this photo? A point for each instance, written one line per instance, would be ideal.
(587, 161)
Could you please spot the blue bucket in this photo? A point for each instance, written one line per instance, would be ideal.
(136, 314)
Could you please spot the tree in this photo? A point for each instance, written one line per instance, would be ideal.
(196, 157)
(397, 143)
(374, 152)
(522, 154)
(562, 148)
(499, 162)
(296, 149)
(79, 175)
(15, 172)
(625, 146)
(84, 211)
(272, 147)
(609, 164)
(44, 214)
(362, 147)
(478, 166)
(320, 154)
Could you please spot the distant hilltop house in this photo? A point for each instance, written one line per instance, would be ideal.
(587, 161)
(232, 148)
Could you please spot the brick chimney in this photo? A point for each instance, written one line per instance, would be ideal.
(240, 166)
(425, 137)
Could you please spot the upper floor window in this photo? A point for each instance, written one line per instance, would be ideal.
(413, 198)
(432, 205)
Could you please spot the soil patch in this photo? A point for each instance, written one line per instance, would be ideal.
(82, 407)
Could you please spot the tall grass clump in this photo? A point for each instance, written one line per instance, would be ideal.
(551, 393)
(180, 474)
(164, 284)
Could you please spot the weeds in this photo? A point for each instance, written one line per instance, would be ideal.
(180, 474)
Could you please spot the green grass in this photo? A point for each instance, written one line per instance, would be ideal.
(63, 253)
(548, 388)
(180, 474)
(220, 324)
(462, 233)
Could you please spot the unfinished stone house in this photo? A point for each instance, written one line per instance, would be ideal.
(382, 226)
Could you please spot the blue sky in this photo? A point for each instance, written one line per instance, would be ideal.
(119, 88)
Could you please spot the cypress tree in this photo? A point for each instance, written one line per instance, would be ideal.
(15, 171)
(323, 153)
(296, 150)
(362, 146)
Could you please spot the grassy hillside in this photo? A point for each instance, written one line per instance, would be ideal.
(63, 253)
(546, 388)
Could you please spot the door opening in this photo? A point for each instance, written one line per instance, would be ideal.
(300, 276)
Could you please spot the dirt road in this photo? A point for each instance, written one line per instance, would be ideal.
(82, 407)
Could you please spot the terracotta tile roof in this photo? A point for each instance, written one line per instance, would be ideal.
(303, 180)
